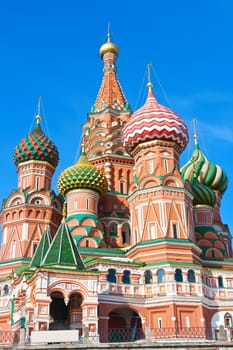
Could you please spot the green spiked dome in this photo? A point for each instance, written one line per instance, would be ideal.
(208, 173)
(82, 175)
(36, 146)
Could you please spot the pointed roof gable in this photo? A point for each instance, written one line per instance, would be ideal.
(42, 249)
(62, 251)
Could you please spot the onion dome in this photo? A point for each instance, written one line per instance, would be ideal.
(82, 175)
(154, 122)
(203, 195)
(208, 173)
(36, 146)
(108, 47)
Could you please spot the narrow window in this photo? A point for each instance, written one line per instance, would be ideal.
(159, 322)
(37, 183)
(6, 289)
(148, 276)
(160, 276)
(174, 230)
(87, 243)
(111, 277)
(87, 203)
(126, 277)
(220, 282)
(228, 320)
(122, 187)
(191, 276)
(178, 275)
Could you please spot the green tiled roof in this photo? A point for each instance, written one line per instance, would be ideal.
(63, 251)
(42, 249)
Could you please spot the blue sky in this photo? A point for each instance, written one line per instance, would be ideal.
(50, 48)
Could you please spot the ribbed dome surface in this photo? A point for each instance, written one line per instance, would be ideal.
(207, 173)
(82, 175)
(154, 122)
(203, 195)
(36, 146)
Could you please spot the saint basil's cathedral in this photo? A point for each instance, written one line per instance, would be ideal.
(133, 245)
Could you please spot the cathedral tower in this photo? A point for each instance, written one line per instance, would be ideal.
(103, 144)
(33, 204)
(160, 202)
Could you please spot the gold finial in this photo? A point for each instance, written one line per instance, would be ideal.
(194, 122)
(149, 84)
(38, 117)
(82, 147)
(108, 34)
(64, 211)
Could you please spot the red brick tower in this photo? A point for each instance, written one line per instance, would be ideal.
(103, 144)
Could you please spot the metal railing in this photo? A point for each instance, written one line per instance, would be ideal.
(113, 335)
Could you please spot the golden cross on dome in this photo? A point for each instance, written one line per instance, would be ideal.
(108, 35)
(38, 117)
(194, 122)
(149, 84)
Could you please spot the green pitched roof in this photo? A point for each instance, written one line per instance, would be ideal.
(42, 249)
(62, 251)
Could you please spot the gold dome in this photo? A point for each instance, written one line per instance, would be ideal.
(108, 47)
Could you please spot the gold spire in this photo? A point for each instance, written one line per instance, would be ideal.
(149, 84)
(108, 34)
(194, 122)
(38, 117)
(64, 211)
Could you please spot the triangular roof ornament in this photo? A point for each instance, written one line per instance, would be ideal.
(63, 251)
(42, 248)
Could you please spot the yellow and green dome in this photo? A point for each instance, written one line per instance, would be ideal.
(207, 173)
(82, 175)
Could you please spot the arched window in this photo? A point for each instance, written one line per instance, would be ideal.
(113, 229)
(178, 275)
(220, 282)
(228, 320)
(148, 276)
(111, 277)
(160, 276)
(191, 276)
(6, 289)
(126, 277)
(126, 234)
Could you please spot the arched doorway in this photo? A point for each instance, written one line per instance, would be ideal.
(124, 325)
(66, 313)
(75, 311)
(58, 312)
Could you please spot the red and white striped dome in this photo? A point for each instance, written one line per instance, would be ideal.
(154, 122)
